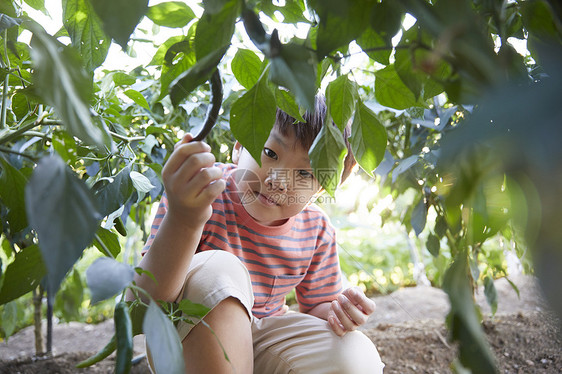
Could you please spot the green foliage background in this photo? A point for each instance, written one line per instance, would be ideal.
(458, 131)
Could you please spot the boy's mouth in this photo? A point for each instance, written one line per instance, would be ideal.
(266, 200)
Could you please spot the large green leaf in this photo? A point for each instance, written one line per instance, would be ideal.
(287, 103)
(414, 65)
(22, 275)
(109, 240)
(61, 209)
(294, 68)
(386, 19)
(170, 14)
(215, 30)
(6, 22)
(390, 91)
(375, 46)
(252, 117)
(326, 157)
(9, 318)
(68, 302)
(368, 139)
(419, 217)
(85, 30)
(195, 76)
(178, 58)
(62, 83)
(12, 186)
(163, 341)
(247, 67)
(341, 95)
(120, 17)
(341, 21)
(115, 193)
(106, 277)
(463, 320)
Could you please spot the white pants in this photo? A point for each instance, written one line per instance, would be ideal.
(290, 343)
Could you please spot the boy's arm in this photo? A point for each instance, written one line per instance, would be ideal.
(350, 310)
(192, 183)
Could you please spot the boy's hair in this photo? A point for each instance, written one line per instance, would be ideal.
(306, 132)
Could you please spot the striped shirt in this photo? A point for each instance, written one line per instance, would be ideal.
(301, 253)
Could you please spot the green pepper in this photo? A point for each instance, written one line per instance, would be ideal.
(103, 353)
(124, 333)
(120, 227)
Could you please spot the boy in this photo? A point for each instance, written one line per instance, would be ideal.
(237, 238)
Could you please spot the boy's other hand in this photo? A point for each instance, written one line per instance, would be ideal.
(192, 182)
(351, 310)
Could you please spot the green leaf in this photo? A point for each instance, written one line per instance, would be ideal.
(294, 69)
(109, 239)
(491, 293)
(107, 277)
(340, 23)
(375, 46)
(140, 182)
(61, 209)
(170, 14)
(36, 4)
(386, 19)
(247, 67)
(368, 139)
(12, 187)
(326, 157)
(116, 193)
(214, 6)
(63, 84)
(341, 94)
(419, 217)
(441, 226)
(9, 318)
(85, 30)
(163, 341)
(414, 65)
(252, 117)
(390, 91)
(68, 302)
(6, 22)
(195, 76)
(190, 308)
(138, 98)
(23, 275)
(123, 79)
(403, 166)
(433, 245)
(120, 17)
(463, 320)
(178, 58)
(286, 102)
(215, 30)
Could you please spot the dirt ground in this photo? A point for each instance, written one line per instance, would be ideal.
(407, 328)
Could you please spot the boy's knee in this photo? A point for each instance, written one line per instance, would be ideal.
(215, 276)
(358, 355)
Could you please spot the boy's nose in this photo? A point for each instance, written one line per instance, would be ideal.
(276, 181)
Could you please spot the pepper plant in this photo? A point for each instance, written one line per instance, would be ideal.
(82, 147)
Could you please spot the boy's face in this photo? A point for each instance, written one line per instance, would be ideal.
(282, 187)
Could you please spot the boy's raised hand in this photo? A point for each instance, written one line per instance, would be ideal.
(191, 181)
(351, 310)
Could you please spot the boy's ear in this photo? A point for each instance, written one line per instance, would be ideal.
(236, 152)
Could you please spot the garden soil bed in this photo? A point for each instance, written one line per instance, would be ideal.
(407, 328)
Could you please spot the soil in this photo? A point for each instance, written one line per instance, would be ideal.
(408, 329)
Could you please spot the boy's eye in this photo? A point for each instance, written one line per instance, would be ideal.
(304, 174)
(269, 153)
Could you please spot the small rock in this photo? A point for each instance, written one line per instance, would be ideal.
(529, 362)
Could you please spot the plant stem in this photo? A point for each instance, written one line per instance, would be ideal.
(22, 129)
(4, 102)
(50, 299)
(8, 150)
(37, 302)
